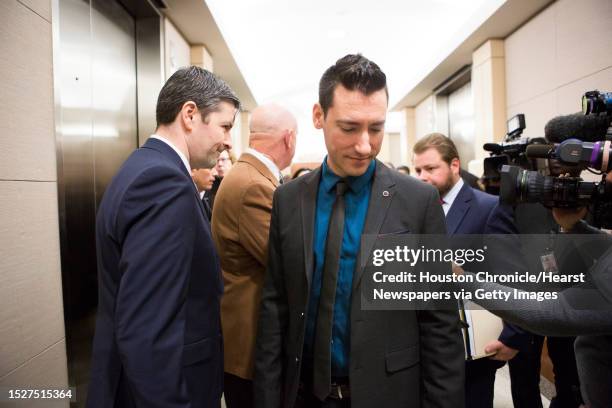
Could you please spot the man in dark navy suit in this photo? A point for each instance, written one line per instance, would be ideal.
(471, 211)
(158, 333)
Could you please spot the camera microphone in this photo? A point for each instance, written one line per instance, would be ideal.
(494, 148)
(590, 128)
(541, 151)
(595, 155)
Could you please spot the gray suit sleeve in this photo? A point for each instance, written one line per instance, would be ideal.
(551, 317)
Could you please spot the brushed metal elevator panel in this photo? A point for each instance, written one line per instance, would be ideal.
(114, 130)
(461, 122)
(96, 128)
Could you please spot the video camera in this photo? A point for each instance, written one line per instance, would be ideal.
(511, 151)
(579, 141)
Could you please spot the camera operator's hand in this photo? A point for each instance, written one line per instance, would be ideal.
(568, 217)
(457, 270)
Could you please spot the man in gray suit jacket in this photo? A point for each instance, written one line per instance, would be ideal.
(316, 347)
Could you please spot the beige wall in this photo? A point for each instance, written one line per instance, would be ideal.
(541, 70)
(202, 58)
(32, 346)
(557, 56)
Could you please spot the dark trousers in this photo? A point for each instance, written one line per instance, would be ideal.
(307, 400)
(525, 374)
(480, 382)
(238, 392)
(567, 382)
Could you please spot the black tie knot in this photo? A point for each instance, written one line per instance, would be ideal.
(341, 188)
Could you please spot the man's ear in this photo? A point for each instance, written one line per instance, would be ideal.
(317, 116)
(455, 165)
(187, 114)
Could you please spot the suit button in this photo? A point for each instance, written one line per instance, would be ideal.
(297, 360)
(302, 315)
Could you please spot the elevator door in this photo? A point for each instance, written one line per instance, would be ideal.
(96, 132)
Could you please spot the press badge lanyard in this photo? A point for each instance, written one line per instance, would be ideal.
(548, 260)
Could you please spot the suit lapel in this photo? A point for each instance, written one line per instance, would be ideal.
(460, 207)
(308, 204)
(383, 189)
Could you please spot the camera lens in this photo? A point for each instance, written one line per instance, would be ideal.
(524, 186)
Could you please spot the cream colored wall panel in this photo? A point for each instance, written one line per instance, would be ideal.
(47, 370)
(493, 48)
(244, 117)
(568, 97)
(26, 92)
(584, 38)
(530, 58)
(410, 121)
(537, 112)
(384, 154)
(201, 57)
(41, 7)
(31, 316)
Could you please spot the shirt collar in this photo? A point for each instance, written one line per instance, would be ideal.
(181, 155)
(355, 183)
(449, 197)
(266, 161)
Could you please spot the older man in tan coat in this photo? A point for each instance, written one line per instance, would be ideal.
(241, 220)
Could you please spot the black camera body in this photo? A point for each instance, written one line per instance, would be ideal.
(510, 151)
(593, 150)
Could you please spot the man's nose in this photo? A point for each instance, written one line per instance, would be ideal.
(227, 141)
(363, 147)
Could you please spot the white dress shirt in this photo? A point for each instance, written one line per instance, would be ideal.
(266, 161)
(449, 198)
(181, 155)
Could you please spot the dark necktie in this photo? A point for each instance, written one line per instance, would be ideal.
(325, 317)
(207, 207)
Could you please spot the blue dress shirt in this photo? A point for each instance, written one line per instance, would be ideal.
(356, 202)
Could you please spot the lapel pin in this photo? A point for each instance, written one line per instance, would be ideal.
(385, 193)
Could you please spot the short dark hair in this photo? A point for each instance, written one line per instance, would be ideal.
(443, 144)
(354, 72)
(192, 84)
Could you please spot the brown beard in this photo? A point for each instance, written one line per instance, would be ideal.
(446, 187)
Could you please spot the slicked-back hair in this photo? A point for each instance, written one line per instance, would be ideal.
(192, 84)
(443, 144)
(354, 72)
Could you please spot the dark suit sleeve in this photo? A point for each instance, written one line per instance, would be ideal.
(157, 224)
(501, 221)
(272, 324)
(441, 344)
